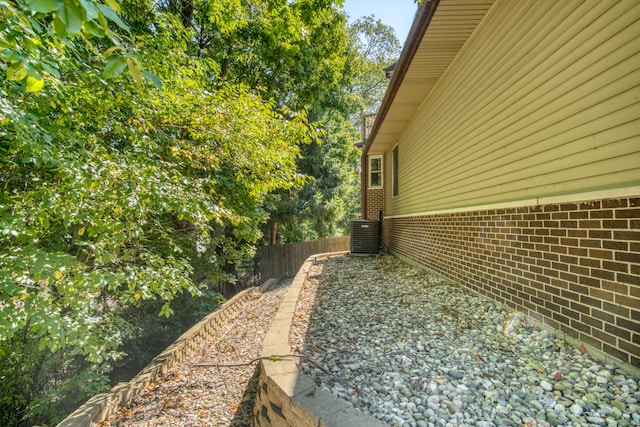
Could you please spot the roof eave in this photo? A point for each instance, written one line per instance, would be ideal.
(418, 29)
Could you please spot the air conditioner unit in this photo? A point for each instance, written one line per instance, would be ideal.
(365, 237)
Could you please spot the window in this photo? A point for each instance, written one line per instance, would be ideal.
(394, 171)
(375, 171)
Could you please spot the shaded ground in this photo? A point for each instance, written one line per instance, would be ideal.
(200, 391)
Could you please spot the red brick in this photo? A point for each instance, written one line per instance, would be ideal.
(569, 259)
(601, 214)
(570, 207)
(591, 341)
(579, 326)
(628, 213)
(615, 245)
(604, 337)
(591, 321)
(615, 353)
(589, 224)
(628, 257)
(577, 233)
(580, 308)
(560, 318)
(627, 235)
(551, 240)
(578, 215)
(615, 287)
(580, 289)
(614, 203)
(579, 270)
(578, 252)
(590, 262)
(569, 277)
(592, 302)
(602, 274)
(570, 313)
(628, 324)
(600, 253)
(628, 278)
(619, 332)
(615, 224)
(551, 306)
(570, 331)
(603, 315)
(615, 266)
(600, 234)
(615, 309)
(590, 243)
(628, 301)
(589, 205)
(629, 348)
(600, 294)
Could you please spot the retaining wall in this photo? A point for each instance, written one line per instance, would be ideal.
(285, 396)
(102, 406)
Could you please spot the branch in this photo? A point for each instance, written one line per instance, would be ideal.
(274, 358)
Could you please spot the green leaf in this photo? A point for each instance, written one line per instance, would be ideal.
(153, 79)
(42, 6)
(16, 71)
(34, 85)
(51, 69)
(90, 9)
(166, 311)
(59, 27)
(113, 4)
(135, 69)
(94, 29)
(71, 16)
(110, 14)
(115, 66)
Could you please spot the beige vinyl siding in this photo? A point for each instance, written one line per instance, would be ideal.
(543, 100)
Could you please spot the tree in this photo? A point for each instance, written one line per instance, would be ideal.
(115, 193)
(328, 201)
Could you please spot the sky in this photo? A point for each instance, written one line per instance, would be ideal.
(398, 14)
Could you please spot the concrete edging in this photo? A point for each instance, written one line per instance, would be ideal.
(102, 406)
(287, 397)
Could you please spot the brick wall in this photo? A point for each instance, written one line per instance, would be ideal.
(375, 203)
(574, 266)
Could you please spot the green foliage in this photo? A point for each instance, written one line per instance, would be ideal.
(37, 35)
(143, 148)
(116, 195)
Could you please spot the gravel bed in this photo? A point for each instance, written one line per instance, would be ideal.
(413, 349)
(190, 395)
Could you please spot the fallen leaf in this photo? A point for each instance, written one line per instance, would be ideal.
(582, 349)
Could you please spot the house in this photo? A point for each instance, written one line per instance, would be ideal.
(506, 156)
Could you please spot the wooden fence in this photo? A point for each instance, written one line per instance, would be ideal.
(278, 261)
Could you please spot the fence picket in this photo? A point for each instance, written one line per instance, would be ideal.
(278, 261)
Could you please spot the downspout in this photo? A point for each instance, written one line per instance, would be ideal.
(363, 185)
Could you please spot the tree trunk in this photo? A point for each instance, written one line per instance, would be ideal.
(274, 232)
